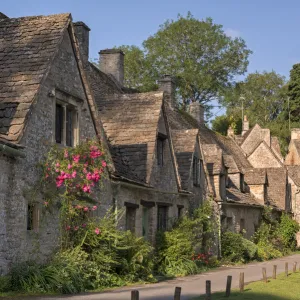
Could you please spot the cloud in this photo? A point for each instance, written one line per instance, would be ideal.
(232, 33)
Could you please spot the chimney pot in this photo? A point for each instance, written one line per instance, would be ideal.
(245, 125)
(112, 62)
(230, 131)
(167, 84)
(196, 110)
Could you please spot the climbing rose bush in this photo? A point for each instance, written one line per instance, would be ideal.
(75, 174)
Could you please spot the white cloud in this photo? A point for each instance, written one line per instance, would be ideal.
(232, 33)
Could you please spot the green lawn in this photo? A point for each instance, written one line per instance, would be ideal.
(281, 288)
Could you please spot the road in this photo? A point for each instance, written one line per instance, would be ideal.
(192, 286)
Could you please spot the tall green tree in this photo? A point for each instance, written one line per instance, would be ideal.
(196, 52)
(263, 97)
(294, 94)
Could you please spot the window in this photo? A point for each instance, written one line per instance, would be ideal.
(66, 125)
(196, 171)
(162, 216)
(160, 146)
(32, 217)
(130, 218)
(242, 225)
(145, 222)
(229, 223)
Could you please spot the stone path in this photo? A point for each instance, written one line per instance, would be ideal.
(192, 286)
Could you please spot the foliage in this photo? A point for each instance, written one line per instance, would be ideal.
(262, 95)
(5, 284)
(221, 124)
(294, 93)
(187, 247)
(235, 248)
(196, 52)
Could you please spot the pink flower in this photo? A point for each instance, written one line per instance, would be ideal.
(86, 209)
(79, 207)
(76, 228)
(94, 207)
(46, 203)
(97, 231)
(57, 165)
(89, 176)
(59, 182)
(103, 163)
(74, 174)
(66, 155)
(68, 227)
(49, 169)
(69, 166)
(83, 225)
(86, 164)
(86, 188)
(47, 175)
(57, 170)
(76, 158)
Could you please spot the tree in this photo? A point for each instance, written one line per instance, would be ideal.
(294, 93)
(138, 73)
(262, 95)
(197, 52)
(221, 124)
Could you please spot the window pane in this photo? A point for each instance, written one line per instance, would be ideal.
(59, 117)
(69, 128)
(130, 218)
(162, 213)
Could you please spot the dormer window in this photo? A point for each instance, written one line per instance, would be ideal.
(66, 125)
(160, 145)
(196, 171)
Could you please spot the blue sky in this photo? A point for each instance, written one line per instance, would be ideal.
(271, 28)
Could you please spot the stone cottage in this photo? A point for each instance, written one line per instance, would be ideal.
(164, 161)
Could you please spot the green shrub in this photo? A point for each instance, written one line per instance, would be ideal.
(176, 249)
(235, 248)
(5, 284)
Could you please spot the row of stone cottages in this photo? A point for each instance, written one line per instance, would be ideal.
(164, 161)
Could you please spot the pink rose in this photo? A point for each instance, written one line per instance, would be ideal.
(94, 207)
(97, 231)
(83, 225)
(76, 228)
(57, 165)
(74, 174)
(66, 155)
(76, 158)
(68, 227)
(103, 163)
(46, 203)
(86, 209)
(69, 166)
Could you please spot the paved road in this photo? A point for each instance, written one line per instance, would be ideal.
(192, 286)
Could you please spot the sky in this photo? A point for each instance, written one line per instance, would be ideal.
(271, 28)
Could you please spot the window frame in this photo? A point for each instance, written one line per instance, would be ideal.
(33, 217)
(162, 223)
(196, 170)
(71, 110)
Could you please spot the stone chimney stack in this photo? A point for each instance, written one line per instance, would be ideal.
(196, 110)
(230, 132)
(82, 32)
(245, 125)
(112, 62)
(295, 134)
(167, 84)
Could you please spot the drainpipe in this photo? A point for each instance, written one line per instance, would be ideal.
(12, 152)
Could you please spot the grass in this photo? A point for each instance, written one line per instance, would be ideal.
(282, 288)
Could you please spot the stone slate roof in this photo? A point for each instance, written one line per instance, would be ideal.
(130, 122)
(297, 146)
(230, 164)
(27, 47)
(294, 173)
(236, 196)
(184, 142)
(277, 185)
(255, 176)
(213, 159)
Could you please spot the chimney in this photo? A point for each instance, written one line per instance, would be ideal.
(82, 32)
(196, 110)
(167, 84)
(112, 62)
(295, 134)
(245, 125)
(230, 131)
